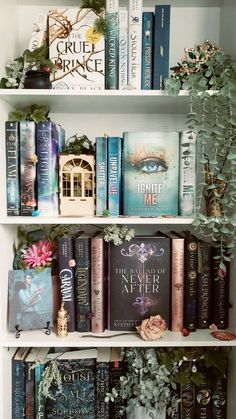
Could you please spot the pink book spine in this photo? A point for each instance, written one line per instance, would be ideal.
(97, 284)
(177, 284)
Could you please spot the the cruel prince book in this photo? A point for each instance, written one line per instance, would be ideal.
(150, 173)
(138, 281)
(77, 50)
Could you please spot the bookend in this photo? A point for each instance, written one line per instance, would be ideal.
(18, 331)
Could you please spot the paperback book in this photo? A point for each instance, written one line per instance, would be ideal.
(187, 174)
(123, 48)
(112, 45)
(12, 167)
(150, 173)
(135, 43)
(138, 281)
(147, 50)
(161, 46)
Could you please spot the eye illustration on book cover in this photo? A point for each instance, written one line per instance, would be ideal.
(30, 299)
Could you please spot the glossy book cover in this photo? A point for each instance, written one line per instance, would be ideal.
(150, 173)
(138, 281)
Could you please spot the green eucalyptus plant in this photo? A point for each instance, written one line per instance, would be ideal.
(36, 113)
(209, 77)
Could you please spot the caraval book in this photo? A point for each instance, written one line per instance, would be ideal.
(77, 48)
(138, 281)
(30, 299)
(150, 173)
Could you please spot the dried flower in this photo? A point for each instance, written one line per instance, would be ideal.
(38, 254)
(152, 328)
(185, 332)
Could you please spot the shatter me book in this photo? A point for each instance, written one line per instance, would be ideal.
(150, 173)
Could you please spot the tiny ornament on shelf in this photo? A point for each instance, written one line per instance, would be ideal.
(62, 322)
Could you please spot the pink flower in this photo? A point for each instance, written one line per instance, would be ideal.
(152, 328)
(39, 254)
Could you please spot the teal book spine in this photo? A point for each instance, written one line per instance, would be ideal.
(39, 398)
(150, 172)
(101, 175)
(12, 167)
(161, 46)
(147, 50)
(112, 45)
(47, 168)
(114, 175)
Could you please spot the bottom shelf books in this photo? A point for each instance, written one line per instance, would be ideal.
(108, 383)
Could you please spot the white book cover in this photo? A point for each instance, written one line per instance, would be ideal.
(112, 6)
(77, 48)
(123, 48)
(187, 179)
(135, 43)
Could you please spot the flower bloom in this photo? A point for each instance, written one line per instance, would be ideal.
(152, 328)
(39, 254)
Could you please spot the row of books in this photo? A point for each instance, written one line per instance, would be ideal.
(32, 166)
(146, 173)
(87, 375)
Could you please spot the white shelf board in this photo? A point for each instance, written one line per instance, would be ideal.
(99, 102)
(113, 339)
(147, 3)
(97, 220)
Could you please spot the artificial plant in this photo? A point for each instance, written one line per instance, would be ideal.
(35, 112)
(98, 6)
(209, 77)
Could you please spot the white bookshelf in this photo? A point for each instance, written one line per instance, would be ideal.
(192, 21)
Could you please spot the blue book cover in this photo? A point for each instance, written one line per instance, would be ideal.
(101, 175)
(147, 50)
(161, 46)
(47, 143)
(114, 175)
(150, 173)
(12, 167)
(30, 299)
(112, 45)
(27, 167)
(18, 383)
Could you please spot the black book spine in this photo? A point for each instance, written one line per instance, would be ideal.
(116, 371)
(18, 389)
(203, 394)
(219, 398)
(204, 286)
(190, 283)
(12, 167)
(82, 247)
(220, 315)
(66, 277)
(187, 393)
(102, 387)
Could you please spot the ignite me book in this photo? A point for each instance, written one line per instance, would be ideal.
(138, 281)
(150, 173)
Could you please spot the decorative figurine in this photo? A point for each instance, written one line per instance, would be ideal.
(62, 322)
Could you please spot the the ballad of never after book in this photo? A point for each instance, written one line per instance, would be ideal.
(77, 48)
(150, 173)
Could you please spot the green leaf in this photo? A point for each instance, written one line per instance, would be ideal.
(17, 115)
(231, 156)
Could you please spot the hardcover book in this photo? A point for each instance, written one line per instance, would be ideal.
(204, 285)
(102, 382)
(147, 50)
(150, 173)
(187, 392)
(117, 369)
(219, 398)
(77, 398)
(12, 167)
(187, 174)
(98, 283)
(77, 48)
(138, 281)
(47, 168)
(82, 253)
(66, 277)
(39, 368)
(161, 46)
(123, 49)
(190, 282)
(27, 167)
(220, 292)
(29, 299)
(112, 45)
(203, 393)
(18, 383)
(30, 383)
(135, 43)
(101, 175)
(177, 282)
(114, 175)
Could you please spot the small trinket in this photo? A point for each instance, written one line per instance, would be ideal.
(62, 322)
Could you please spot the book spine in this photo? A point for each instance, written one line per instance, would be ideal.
(102, 387)
(29, 390)
(203, 394)
(114, 175)
(161, 46)
(47, 168)
(97, 285)
(190, 284)
(39, 398)
(204, 286)
(61, 137)
(18, 389)
(123, 49)
(147, 50)
(12, 167)
(135, 43)
(177, 285)
(27, 167)
(220, 309)
(187, 174)
(101, 175)
(83, 283)
(219, 398)
(187, 393)
(112, 45)
(66, 277)
(116, 371)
